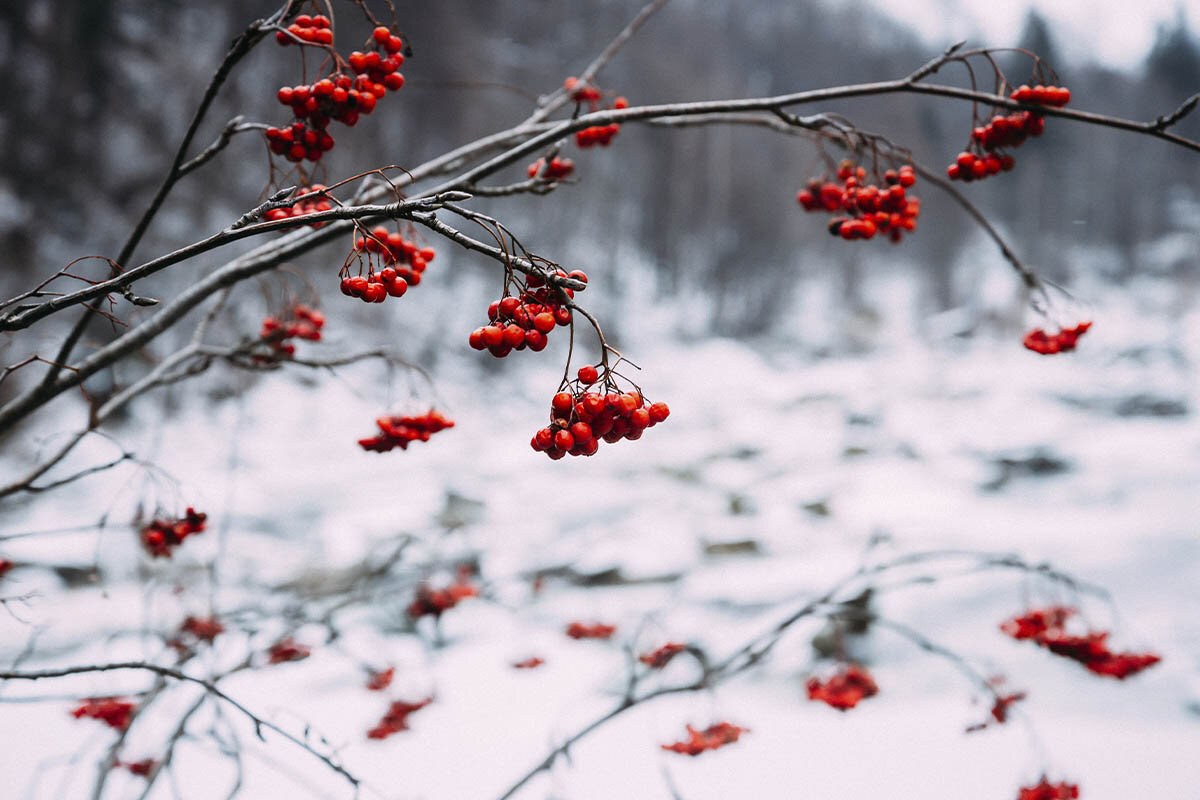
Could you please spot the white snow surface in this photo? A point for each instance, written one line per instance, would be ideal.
(817, 457)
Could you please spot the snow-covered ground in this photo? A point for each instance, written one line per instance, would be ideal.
(1090, 461)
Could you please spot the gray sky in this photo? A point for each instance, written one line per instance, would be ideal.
(1116, 32)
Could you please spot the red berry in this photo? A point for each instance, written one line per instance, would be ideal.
(588, 375)
(563, 440)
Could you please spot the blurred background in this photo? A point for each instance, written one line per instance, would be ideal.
(829, 398)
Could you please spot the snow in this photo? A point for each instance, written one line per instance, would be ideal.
(808, 458)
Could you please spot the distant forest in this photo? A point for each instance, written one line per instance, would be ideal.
(100, 91)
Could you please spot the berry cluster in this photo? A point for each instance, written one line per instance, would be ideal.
(337, 97)
(287, 649)
(983, 158)
(161, 536)
(873, 208)
(597, 134)
(399, 431)
(712, 737)
(1045, 790)
(204, 629)
(113, 711)
(1042, 95)
(302, 323)
(434, 602)
(999, 710)
(396, 718)
(141, 768)
(845, 689)
(525, 321)
(1047, 628)
(533, 662)
(657, 659)
(1047, 344)
(309, 30)
(557, 169)
(309, 205)
(403, 261)
(580, 418)
(378, 681)
(593, 630)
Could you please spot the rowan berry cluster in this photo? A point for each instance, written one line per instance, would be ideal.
(873, 208)
(712, 737)
(399, 431)
(983, 158)
(287, 649)
(580, 417)
(657, 659)
(301, 322)
(596, 134)
(337, 97)
(308, 29)
(845, 689)
(162, 536)
(396, 718)
(557, 169)
(309, 205)
(1047, 344)
(999, 710)
(525, 321)
(141, 768)
(377, 681)
(434, 602)
(1057, 96)
(590, 630)
(404, 262)
(1045, 790)
(113, 711)
(1047, 628)
(533, 662)
(204, 629)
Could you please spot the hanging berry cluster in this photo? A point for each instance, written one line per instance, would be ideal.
(396, 718)
(872, 208)
(204, 629)
(140, 768)
(337, 97)
(399, 431)
(533, 662)
(845, 689)
(590, 630)
(557, 169)
(1045, 790)
(711, 738)
(301, 322)
(1057, 96)
(983, 157)
(377, 681)
(525, 321)
(435, 602)
(1047, 344)
(287, 649)
(404, 262)
(113, 711)
(1047, 628)
(309, 205)
(596, 134)
(308, 29)
(657, 659)
(162, 536)
(1000, 706)
(580, 417)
